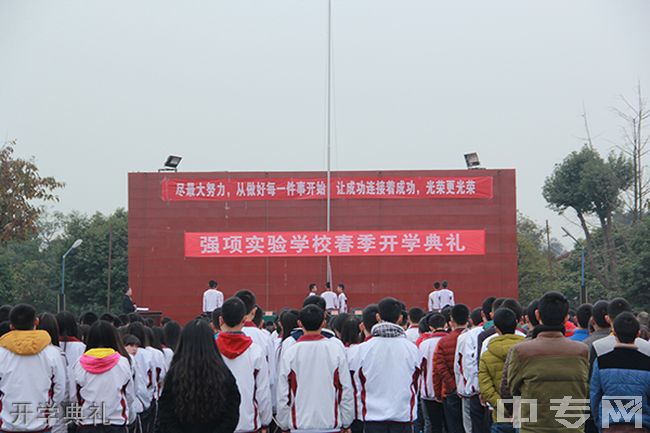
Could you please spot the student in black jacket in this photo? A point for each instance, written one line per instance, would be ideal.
(127, 302)
(200, 393)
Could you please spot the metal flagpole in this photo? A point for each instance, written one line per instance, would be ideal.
(329, 128)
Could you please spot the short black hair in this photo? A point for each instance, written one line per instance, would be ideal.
(311, 317)
(616, 307)
(446, 312)
(437, 321)
(259, 316)
(23, 317)
(444, 284)
(599, 311)
(4, 312)
(436, 285)
(505, 320)
(213, 284)
(583, 314)
(315, 300)
(342, 286)
(233, 311)
(486, 308)
(626, 327)
(88, 318)
(131, 340)
(530, 312)
(248, 298)
(369, 316)
(216, 313)
(312, 286)
(513, 305)
(497, 304)
(405, 316)
(460, 314)
(475, 316)
(390, 310)
(553, 308)
(416, 314)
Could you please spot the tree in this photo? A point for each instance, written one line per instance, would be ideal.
(87, 268)
(592, 186)
(635, 273)
(635, 143)
(20, 184)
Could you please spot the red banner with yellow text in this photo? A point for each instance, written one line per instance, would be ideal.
(336, 243)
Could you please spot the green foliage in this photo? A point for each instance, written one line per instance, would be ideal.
(635, 272)
(587, 183)
(592, 186)
(532, 260)
(30, 270)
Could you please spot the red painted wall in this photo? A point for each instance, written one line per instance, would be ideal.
(163, 279)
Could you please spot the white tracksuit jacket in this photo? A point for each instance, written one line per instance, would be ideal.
(247, 362)
(387, 375)
(145, 387)
(32, 375)
(426, 350)
(73, 350)
(263, 340)
(159, 369)
(314, 390)
(109, 387)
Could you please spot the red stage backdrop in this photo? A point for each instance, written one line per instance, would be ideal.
(392, 234)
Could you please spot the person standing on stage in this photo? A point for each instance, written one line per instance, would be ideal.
(313, 289)
(445, 296)
(342, 298)
(127, 302)
(331, 298)
(434, 299)
(212, 298)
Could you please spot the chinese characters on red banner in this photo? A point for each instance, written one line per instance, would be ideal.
(336, 243)
(316, 188)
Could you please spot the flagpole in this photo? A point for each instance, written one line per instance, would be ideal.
(329, 130)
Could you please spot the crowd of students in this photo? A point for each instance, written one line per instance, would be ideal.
(453, 370)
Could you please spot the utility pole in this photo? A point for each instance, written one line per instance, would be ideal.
(548, 251)
(110, 259)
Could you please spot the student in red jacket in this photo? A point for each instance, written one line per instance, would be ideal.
(444, 379)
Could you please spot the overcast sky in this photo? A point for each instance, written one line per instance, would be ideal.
(96, 89)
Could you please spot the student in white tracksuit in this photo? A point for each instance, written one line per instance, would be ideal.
(259, 337)
(27, 357)
(434, 411)
(103, 379)
(314, 390)
(247, 362)
(387, 374)
(145, 385)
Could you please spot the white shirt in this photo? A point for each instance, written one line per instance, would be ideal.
(442, 298)
(212, 299)
(343, 303)
(331, 300)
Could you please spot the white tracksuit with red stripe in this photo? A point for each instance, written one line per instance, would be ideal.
(32, 376)
(247, 362)
(387, 371)
(104, 387)
(314, 390)
(427, 348)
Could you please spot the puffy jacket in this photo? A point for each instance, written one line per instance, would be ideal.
(32, 375)
(491, 367)
(620, 372)
(103, 379)
(444, 379)
(546, 368)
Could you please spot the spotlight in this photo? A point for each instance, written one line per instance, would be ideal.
(171, 164)
(472, 161)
